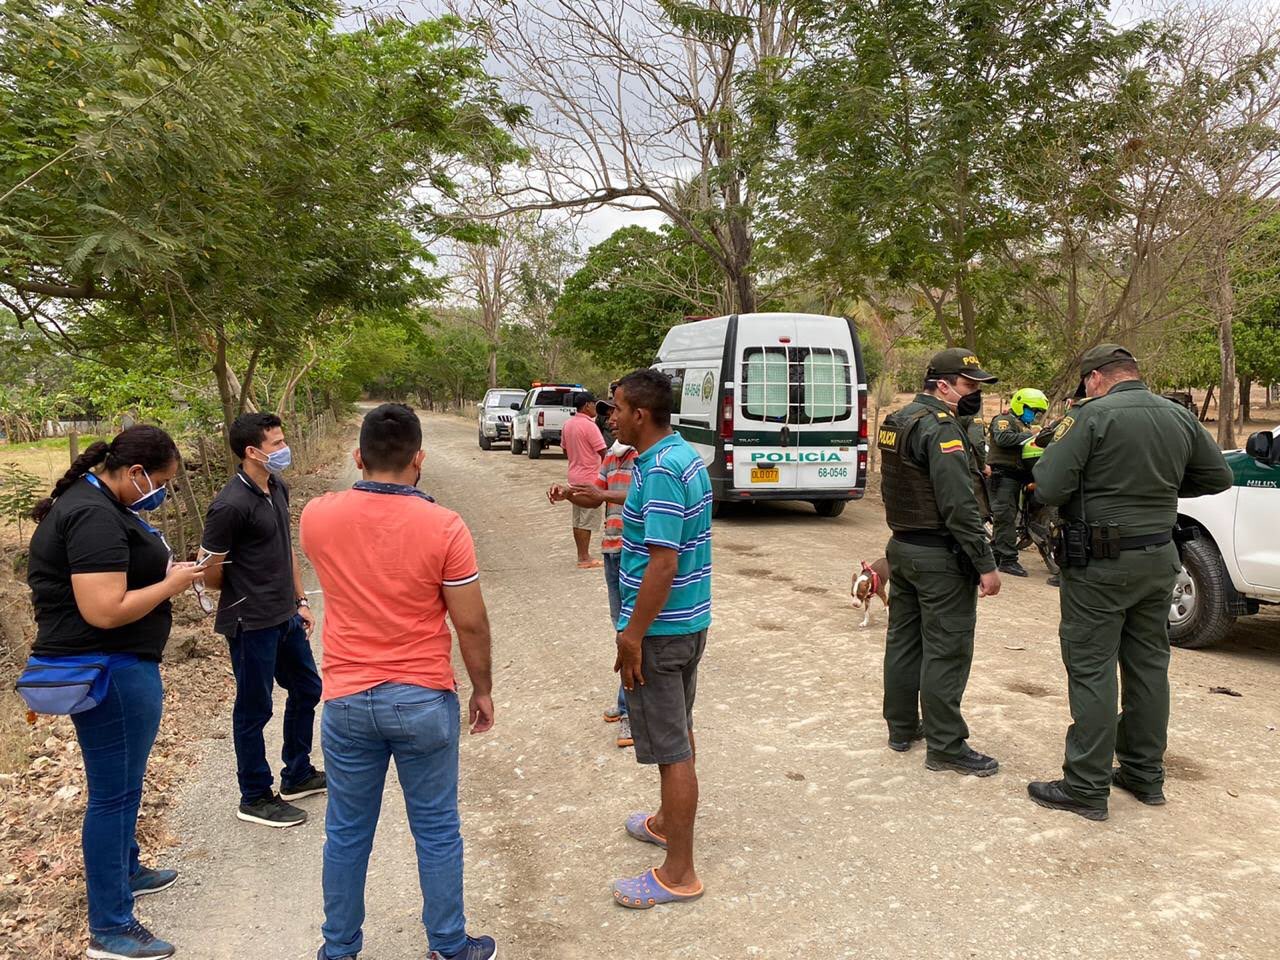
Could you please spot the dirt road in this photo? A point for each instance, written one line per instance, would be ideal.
(814, 839)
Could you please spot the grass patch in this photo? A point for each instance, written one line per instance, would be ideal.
(47, 459)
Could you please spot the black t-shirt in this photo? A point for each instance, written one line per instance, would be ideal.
(90, 531)
(252, 528)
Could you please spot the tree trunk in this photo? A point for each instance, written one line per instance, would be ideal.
(968, 313)
(939, 314)
(1227, 355)
(1204, 407)
(227, 396)
(1246, 387)
(742, 287)
(246, 386)
(493, 364)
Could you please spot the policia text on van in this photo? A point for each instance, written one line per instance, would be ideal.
(774, 403)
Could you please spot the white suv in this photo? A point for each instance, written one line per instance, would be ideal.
(495, 415)
(540, 419)
(1233, 565)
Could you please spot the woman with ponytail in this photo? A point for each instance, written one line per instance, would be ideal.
(101, 579)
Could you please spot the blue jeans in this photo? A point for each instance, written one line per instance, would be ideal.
(258, 657)
(115, 740)
(612, 567)
(359, 734)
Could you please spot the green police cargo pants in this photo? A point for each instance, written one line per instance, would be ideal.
(929, 648)
(1006, 491)
(1115, 613)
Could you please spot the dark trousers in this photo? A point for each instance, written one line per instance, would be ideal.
(929, 646)
(1006, 493)
(1115, 613)
(259, 658)
(116, 738)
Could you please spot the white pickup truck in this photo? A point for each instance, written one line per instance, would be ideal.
(541, 417)
(1233, 564)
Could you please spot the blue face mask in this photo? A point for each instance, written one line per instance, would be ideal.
(150, 500)
(1027, 415)
(278, 461)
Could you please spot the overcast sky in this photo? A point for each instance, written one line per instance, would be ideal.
(600, 223)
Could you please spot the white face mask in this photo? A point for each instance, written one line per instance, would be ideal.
(619, 448)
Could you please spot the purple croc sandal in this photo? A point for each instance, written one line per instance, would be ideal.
(638, 827)
(647, 891)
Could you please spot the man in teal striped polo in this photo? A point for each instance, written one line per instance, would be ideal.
(665, 586)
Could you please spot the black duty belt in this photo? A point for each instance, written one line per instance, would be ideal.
(926, 538)
(1149, 540)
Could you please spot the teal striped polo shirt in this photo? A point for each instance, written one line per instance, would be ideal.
(669, 505)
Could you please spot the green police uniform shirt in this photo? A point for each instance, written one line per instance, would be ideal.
(1132, 454)
(1008, 434)
(975, 429)
(940, 444)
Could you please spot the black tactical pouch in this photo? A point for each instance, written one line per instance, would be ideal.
(1184, 535)
(1104, 542)
(966, 564)
(1070, 543)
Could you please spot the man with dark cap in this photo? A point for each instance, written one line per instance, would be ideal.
(940, 560)
(1117, 465)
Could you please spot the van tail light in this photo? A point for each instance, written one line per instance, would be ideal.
(726, 417)
(862, 414)
(542, 421)
(728, 460)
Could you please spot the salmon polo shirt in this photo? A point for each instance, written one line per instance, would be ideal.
(384, 562)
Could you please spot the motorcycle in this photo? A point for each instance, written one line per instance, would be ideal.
(1036, 519)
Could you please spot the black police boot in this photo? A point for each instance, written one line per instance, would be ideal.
(970, 762)
(1053, 794)
(1012, 567)
(902, 746)
(1151, 796)
(1054, 581)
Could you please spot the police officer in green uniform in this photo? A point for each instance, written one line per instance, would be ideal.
(1009, 474)
(939, 558)
(1117, 465)
(975, 429)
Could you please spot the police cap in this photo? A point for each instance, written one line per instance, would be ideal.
(1102, 355)
(959, 360)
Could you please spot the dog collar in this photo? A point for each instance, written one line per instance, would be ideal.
(875, 577)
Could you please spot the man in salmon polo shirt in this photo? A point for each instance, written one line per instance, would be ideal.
(584, 446)
(392, 563)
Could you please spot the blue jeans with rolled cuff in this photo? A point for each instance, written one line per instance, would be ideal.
(115, 739)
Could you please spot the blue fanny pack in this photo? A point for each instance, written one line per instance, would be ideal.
(64, 685)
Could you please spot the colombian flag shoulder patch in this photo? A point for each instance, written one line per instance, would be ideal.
(951, 446)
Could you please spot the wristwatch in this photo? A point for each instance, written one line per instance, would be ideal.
(303, 602)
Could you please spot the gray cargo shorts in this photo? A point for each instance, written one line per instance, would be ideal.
(661, 709)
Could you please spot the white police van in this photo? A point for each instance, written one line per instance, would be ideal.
(776, 404)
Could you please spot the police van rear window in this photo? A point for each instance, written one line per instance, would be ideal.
(796, 385)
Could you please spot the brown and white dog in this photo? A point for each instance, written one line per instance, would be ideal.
(871, 581)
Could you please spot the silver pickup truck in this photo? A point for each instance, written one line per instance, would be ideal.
(540, 418)
(495, 415)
